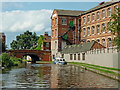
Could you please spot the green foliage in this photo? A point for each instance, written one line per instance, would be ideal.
(5, 60)
(8, 61)
(114, 27)
(40, 42)
(15, 60)
(24, 41)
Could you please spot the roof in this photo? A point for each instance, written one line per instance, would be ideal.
(78, 48)
(99, 7)
(68, 12)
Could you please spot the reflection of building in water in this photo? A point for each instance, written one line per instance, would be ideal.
(54, 76)
(64, 76)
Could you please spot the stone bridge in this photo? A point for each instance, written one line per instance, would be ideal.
(36, 55)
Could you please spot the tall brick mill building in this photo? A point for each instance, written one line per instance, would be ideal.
(70, 27)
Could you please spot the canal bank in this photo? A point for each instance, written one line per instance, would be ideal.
(113, 73)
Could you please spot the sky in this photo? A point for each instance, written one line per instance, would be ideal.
(17, 17)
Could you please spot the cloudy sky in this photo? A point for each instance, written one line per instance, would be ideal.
(17, 17)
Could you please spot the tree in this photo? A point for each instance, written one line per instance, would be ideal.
(40, 42)
(24, 41)
(114, 27)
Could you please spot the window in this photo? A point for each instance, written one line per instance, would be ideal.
(98, 15)
(88, 18)
(47, 44)
(55, 21)
(109, 12)
(103, 28)
(109, 24)
(98, 41)
(88, 41)
(70, 56)
(78, 56)
(55, 44)
(88, 31)
(64, 21)
(74, 56)
(109, 42)
(93, 17)
(116, 6)
(55, 32)
(93, 30)
(83, 32)
(98, 29)
(62, 55)
(103, 42)
(83, 56)
(84, 19)
(52, 33)
(53, 56)
(103, 13)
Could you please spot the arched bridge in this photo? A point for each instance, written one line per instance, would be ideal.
(36, 55)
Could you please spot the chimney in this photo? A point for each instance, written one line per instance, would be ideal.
(46, 34)
(101, 3)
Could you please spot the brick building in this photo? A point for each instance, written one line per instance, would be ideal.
(47, 42)
(60, 22)
(93, 22)
(2, 42)
(88, 26)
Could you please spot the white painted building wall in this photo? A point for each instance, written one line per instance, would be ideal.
(105, 58)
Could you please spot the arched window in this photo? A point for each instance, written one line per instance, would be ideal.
(103, 42)
(93, 30)
(98, 29)
(98, 41)
(88, 31)
(55, 44)
(88, 41)
(103, 28)
(83, 32)
(109, 42)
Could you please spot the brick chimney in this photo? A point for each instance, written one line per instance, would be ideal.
(102, 3)
(46, 34)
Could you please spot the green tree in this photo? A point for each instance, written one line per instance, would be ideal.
(40, 42)
(24, 41)
(6, 60)
(114, 27)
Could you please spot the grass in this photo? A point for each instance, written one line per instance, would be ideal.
(109, 68)
(96, 67)
(104, 67)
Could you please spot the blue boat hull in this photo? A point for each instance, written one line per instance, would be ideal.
(62, 63)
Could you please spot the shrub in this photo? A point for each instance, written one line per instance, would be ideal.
(6, 60)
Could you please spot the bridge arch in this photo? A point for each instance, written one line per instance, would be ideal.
(34, 57)
(44, 55)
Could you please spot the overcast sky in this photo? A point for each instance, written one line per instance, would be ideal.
(17, 17)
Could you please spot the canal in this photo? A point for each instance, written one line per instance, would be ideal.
(54, 76)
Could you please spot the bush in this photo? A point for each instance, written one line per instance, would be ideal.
(6, 60)
(15, 60)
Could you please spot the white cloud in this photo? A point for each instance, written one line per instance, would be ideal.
(19, 21)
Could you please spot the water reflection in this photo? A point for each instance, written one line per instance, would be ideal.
(54, 76)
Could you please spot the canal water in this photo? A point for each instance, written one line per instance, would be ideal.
(54, 76)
